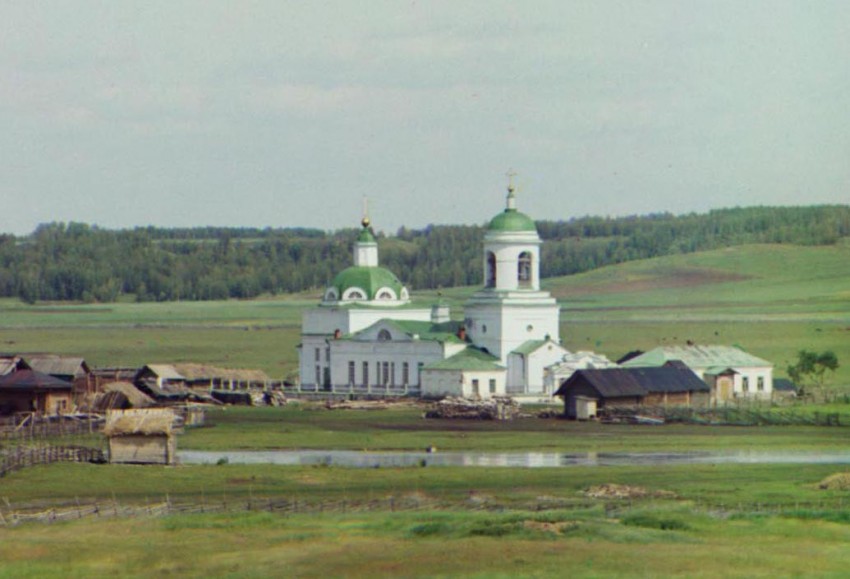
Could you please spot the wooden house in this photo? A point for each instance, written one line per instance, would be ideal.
(72, 369)
(163, 383)
(141, 436)
(588, 393)
(31, 391)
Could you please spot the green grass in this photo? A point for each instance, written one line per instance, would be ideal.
(308, 426)
(772, 300)
(484, 523)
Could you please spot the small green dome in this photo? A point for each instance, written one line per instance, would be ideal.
(368, 279)
(366, 236)
(512, 220)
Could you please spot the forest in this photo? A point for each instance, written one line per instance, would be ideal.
(80, 262)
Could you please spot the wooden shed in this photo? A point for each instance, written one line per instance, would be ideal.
(141, 436)
(587, 392)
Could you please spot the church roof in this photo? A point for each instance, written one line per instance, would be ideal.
(470, 359)
(529, 347)
(511, 220)
(368, 279)
(443, 332)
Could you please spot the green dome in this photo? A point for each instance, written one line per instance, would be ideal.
(512, 220)
(366, 236)
(369, 279)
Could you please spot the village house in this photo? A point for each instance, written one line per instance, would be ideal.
(72, 369)
(730, 372)
(30, 391)
(588, 393)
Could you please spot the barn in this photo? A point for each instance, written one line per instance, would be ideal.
(589, 393)
(141, 436)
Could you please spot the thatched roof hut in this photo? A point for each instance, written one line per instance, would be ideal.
(141, 436)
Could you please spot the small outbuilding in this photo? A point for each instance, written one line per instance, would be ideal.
(587, 393)
(141, 436)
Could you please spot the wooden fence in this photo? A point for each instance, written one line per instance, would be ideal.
(18, 458)
(31, 429)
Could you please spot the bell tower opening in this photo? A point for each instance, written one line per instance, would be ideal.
(490, 273)
(524, 279)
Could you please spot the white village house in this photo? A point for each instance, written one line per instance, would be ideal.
(730, 372)
(366, 337)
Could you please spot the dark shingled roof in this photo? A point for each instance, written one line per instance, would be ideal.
(32, 380)
(620, 382)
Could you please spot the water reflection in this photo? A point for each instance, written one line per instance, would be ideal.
(357, 459)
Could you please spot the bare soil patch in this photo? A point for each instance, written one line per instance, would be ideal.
(617, 491)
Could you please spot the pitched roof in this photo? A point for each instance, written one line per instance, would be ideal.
(11, 363)
(423, 330)
(165, 371)
(618, 382)
(32, 380)
(697, 357)
(784, 385)
(529, 347)
(57, 365)
(470, 359)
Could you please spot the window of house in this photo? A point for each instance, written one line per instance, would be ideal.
(365, 373)
(475, 390)
(405, 373)
(760, 384)
(385, 295)
(318, 375)
(327, 354)
(385, 378)
(492, 385)
(384, 336)
(419, 366)
(392, 373)
(745, 384)
(318, 354)
(351, 372)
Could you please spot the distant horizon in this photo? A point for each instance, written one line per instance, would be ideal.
(392, 233)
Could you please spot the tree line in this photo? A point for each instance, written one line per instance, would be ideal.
(80, 262)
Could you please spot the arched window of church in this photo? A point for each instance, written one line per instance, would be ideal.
(524, 269)
(490, 281)
(354, 294)
(384, 336)
(385, 295)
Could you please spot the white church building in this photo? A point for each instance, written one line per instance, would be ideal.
(366, 337)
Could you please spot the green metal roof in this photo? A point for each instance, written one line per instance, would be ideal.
(471, 359)
(426, 331)
(697, 356)
(528, 347)
(369, 279)
(445, 332)
(512, 220)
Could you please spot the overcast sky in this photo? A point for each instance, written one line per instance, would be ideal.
(274, 113)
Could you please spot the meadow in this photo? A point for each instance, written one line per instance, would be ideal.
(772, 300)
(691, 521)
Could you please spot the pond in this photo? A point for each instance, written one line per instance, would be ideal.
(358, 459)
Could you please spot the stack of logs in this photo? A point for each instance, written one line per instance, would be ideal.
(496, 408)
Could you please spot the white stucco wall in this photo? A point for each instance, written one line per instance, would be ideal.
(440, 383)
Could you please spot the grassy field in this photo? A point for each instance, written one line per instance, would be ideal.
(311, 427)
(704, 521)
(772, 300)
